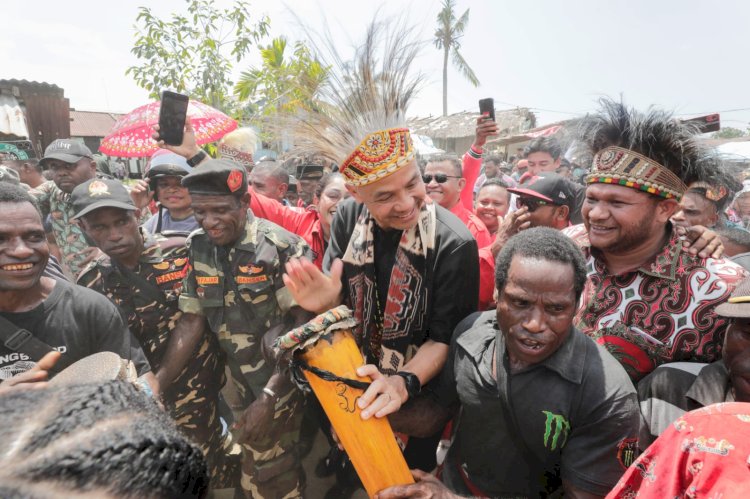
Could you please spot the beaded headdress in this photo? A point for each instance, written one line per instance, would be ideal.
(360, 123)
(620, 166)
(651, 151)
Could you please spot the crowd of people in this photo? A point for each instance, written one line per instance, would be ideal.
(552, 323)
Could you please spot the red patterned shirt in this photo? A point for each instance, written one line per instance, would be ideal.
(703, 454)
(661, 312)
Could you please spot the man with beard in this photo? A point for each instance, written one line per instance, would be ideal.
(142, 274)
(543, 409)
(646, 300)
(71, 164)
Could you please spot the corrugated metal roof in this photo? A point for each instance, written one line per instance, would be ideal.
(91, 123)
(27, 83)
(463, 124)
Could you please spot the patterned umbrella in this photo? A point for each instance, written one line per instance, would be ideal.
(130, 137)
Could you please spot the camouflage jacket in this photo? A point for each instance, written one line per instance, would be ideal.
(149, 319)
(243, 305)
(68, 235)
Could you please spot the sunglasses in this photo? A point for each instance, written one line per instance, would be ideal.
(531, 203)
(440, 178)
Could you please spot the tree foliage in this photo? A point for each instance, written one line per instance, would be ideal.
(448, 38)
(729, 133)
(283, 82)
(192, 52)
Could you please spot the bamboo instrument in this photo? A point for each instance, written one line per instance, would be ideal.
(370, 444)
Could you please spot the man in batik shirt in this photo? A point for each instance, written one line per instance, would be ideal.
(646, 299)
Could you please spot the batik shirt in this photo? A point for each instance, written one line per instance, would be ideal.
(702, 454)
(240, 291)
(661, 312)
(68, 235)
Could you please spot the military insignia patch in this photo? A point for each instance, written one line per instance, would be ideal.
(161, 266)
(241, 279)
(200, 292)
(179, 262)
(171, 276)
(211, 279)
(627, 451)
(98, 188)
(250, 269)
(234, 180)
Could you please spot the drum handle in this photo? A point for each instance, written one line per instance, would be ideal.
(328, 375)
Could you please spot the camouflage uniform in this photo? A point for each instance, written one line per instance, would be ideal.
(271, 466)
(68, 235)
(193, 398)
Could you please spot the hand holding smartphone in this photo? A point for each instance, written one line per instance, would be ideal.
(487, 106)
(172, 116)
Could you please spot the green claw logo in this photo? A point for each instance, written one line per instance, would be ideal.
(556, 427)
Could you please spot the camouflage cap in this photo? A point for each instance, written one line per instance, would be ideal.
(9, 175)
(217, 177)
(100, 193)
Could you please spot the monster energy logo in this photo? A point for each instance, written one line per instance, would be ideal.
(555, 427)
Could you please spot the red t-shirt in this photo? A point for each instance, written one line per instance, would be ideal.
(304, 223)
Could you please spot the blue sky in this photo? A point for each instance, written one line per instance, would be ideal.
(558, 57)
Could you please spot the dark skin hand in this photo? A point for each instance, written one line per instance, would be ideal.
(511, 225)
(699, 240)
(34, 378)
(183, 340)
(257, 418)
(427, 487)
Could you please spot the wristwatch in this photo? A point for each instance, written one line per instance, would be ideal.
(413, 386)
(197, 159)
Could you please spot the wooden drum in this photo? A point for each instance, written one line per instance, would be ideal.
(328, 356)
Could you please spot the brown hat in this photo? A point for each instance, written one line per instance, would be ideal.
(738, 304)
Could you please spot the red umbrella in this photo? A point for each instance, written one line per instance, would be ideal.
(130, 137)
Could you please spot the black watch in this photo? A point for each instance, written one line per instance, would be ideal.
(195, 160)
(413, 386)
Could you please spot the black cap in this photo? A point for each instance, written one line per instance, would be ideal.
(550, 187)
(309, 171)
(100, 193)
(217, 177)
(67, 150)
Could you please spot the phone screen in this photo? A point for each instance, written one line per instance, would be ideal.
(487, 106)
(172, 115)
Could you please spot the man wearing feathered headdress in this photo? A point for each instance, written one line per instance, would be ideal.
(407, 267)
(646, 299)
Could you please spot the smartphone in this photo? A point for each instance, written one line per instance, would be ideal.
(487, 106)
(172, 115)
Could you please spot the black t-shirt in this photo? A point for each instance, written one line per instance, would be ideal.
(576, 411)
(454, 293)
(77, 322)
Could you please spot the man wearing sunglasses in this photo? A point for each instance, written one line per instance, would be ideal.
(548, 199)
(444, 183)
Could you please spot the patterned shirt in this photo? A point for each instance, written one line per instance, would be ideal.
(661, 312)
(702, 454)
(69, 236)
(251, 268)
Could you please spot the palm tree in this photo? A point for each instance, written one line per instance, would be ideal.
(448, 37)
